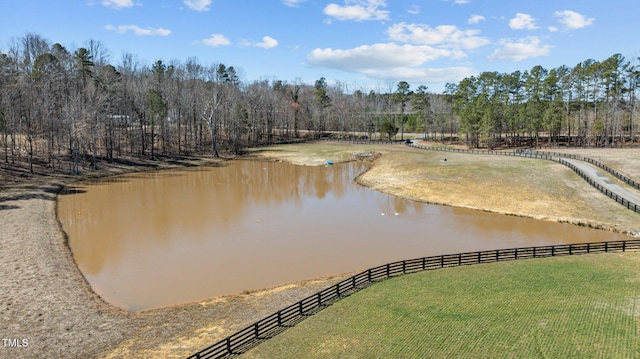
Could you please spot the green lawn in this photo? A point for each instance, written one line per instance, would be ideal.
(564, 307)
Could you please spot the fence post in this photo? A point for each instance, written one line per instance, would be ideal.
(624, 245)
(279, 318)
(300, 307)
(229, 346)
(256, 330)
(553, 251)
(319, 299)
(404, 266)
(442, 261)
(459, 259)
(369, 275)
(570, 249)
(388, 273)
(515, 255)
(534, 252)
(606, 246)
(424, 263)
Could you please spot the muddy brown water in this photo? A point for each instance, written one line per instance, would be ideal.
(162, 238)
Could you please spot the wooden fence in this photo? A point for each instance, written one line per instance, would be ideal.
(361, 141)
(615, 173)
(623, 201)
(275, 323)
(557, 157)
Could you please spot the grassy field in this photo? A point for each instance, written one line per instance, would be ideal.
(565, 307)
(517, 186)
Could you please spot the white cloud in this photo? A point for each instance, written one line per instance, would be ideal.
(572, 19)
(422, 75)
(358, 10)
(474, 19)
(149, 31)
(293, 3)
(117, 4)
(446, 36)
(198, 5)
(414, 10)
(376, 57)
(216, 40)
(528, 47)
(267, 43)
(523, 22)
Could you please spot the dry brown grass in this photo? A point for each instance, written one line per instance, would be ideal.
(517, 186)
(624, 160)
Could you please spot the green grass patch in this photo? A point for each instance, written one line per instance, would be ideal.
(566, 307)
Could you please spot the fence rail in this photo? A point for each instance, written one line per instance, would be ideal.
(557, 157)
(360, 141)
(275, 323)
(615, 173)
(623, 201)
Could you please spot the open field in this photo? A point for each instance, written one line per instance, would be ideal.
(564, 307)
(45, 299)
(517, 186)
(624, 160)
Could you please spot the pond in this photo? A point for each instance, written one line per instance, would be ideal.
(162, 238)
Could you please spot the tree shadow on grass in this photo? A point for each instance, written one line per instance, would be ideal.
(71, 190)
(27, 196)
(8, 206)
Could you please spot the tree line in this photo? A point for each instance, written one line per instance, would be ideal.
(592, 104)
(62, 108)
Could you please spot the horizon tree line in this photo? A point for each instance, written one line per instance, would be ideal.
(65, 108)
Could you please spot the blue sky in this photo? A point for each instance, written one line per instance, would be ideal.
(365, 44)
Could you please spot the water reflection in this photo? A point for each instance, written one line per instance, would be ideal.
(161, 238)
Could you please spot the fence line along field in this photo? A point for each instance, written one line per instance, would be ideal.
(561, 307)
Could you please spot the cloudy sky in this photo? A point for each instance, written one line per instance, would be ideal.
(362, 43)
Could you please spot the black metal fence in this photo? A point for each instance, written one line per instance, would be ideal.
(275, 323)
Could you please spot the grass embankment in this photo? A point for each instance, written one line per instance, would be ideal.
(510, 185)
(565, 307)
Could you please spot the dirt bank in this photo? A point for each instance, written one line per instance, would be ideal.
(46, 304)
(48, 310)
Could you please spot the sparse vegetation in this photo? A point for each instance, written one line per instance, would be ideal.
(518, 186)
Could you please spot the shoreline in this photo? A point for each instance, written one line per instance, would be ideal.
(46, 300)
